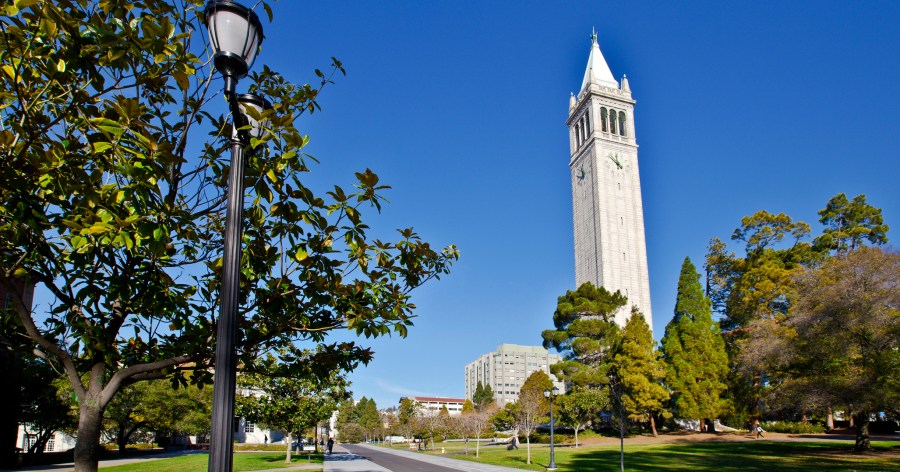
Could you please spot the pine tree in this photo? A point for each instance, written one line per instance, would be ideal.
(694, 351)
(640, 370)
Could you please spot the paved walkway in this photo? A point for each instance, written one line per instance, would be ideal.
(358, 461)
(342, 460)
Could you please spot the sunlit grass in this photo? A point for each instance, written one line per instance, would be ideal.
(199, 463)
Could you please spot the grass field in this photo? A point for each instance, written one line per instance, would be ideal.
(199, 462)
(763, 456)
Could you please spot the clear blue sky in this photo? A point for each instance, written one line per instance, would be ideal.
(461, 107)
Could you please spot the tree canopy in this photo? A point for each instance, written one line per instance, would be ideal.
(840, 342)
(113, 200)
(585, 334)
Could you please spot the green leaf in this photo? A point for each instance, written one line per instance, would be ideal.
(61, 66)
(181, 79)
(101, 146)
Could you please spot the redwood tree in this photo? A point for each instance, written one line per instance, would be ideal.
(694, 352)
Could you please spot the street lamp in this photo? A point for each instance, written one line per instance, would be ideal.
(235, 34)
(550, 394)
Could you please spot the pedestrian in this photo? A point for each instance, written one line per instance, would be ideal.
(330, 444)
(759, 431)
(265, 439)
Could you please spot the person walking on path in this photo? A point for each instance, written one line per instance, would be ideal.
(330, 444)
(759, 431)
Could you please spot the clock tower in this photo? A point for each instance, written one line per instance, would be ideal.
(608, 215)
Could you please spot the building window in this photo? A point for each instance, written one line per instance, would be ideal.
(612, 121)
(603, 120)
(249, 427)
(51, 443)
(622, 123)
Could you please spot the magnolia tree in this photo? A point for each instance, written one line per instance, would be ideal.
(113, 200)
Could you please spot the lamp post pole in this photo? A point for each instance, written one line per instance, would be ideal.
(550, 394)
(221, 440)
(235, 34)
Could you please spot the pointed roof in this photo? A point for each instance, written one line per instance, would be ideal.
(597, 71)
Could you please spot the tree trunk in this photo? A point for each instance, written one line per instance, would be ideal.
(287, 457)
(121, 440)
(528, 447)
(576, 437)
(87, 454)
(653, 426)
(829, 420)
(862, 432)
(477, 443)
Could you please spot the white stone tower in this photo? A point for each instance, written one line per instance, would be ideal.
(610, 250)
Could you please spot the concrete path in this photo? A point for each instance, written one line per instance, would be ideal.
(342, 460)
(398, 460)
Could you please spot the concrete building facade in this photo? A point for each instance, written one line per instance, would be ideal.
(506, 369)
(432, 405)
(608, 215)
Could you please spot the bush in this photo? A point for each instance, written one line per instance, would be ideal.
(792, 427)
(261, 447)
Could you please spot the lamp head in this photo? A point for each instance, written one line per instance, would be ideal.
(236, 35)
(259, 105)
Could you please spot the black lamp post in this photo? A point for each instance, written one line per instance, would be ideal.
(550, 394)
(235, 33)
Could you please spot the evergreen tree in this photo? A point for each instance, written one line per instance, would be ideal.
(694, 351)
(585, 334)
(484, 396)
(640, 370)
(848, 223)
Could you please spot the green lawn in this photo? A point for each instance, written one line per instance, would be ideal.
(199, 462)
(763, 456)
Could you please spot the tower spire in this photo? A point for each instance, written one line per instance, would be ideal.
(597, 71)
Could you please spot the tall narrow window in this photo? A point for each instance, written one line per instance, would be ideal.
(584, 127)
(612, 121)
(603, 120)
(578, 134)
(622, 123)
(587, 118)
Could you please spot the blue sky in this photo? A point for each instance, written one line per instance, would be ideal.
(461, 107)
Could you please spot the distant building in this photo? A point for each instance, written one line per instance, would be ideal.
(506, 369)
(433, 405)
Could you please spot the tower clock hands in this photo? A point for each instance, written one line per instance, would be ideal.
(615, 159)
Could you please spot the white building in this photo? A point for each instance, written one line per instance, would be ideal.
(610, 250)
(432, 405)
(506, 369)
(59, 441)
